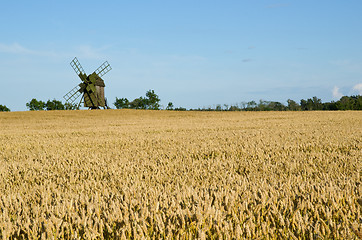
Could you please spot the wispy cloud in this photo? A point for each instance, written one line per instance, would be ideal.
(247, 60)
(348, 65)
(83, 51)
(229, 51)
(336, 93)
(358, 88)
(90, 52)
(251, 47)
(16, 48)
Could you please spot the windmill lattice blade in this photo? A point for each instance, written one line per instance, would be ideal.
(103, 69)
(72, 95)
(76, 66)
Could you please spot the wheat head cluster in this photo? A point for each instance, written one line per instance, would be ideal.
(134, 174)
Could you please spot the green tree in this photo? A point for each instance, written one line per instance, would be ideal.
(121, 103)
(317, 103)
(251, 106)
(243, 105)
(329, 106)
(153, 101)
(276, 106)
(350, 103)
(54, 105)
(35, 105)
(269, 106)
(139, 103)
(3, 108)
(263, 105)
(234, 108)
(293, 106)
(169, 106)
(358, 102)
(311, 104)
(218, 107)
(180, 109)
(303, 105)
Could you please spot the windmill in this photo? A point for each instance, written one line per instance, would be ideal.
(91, 88)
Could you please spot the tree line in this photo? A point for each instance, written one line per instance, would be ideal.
(310, 104)
(152, 102)
(36, 105)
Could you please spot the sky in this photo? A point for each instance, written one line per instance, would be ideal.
(193, 53)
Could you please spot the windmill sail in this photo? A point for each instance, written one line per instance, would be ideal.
(72, 95)
(78, 68)
(103, 69)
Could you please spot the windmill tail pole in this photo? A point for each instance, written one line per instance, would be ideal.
(106, 104)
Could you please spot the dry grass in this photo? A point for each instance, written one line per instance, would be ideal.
(156, 174)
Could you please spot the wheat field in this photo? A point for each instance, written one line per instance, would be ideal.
(133, 174)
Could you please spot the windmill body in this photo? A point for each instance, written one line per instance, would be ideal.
(91, 88)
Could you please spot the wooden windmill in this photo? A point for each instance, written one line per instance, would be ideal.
(91, 88)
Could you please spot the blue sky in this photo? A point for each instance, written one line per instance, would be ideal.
(195, 53)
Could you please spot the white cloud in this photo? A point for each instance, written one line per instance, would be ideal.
(348, 65)
(358, 88)
(15, 48)
(87, 51)
(336, 93)
(83, 51)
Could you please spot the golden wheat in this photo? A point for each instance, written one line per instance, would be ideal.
(127, 174)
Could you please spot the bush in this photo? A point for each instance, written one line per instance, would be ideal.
(3, 108)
